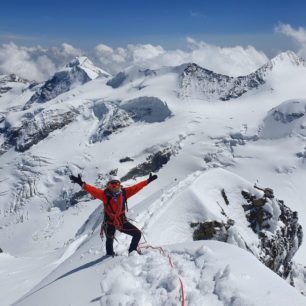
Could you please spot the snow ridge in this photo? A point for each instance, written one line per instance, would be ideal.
(201, 83)
(207, 157)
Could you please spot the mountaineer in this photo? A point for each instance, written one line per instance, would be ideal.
(114, 198)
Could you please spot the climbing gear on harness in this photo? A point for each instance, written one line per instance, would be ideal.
(115, 219)
(110, 215)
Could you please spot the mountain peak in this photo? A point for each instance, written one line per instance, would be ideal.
(80, 61)
(284, 61)
(77, 72)
(87, 65)
(289, 57)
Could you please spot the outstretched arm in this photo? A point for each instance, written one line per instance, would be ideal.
(95, 192)
(130, 191)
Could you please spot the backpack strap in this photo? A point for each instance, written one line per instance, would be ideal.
(109, 197)
(125, 206)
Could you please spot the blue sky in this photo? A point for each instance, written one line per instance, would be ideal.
(166, 22)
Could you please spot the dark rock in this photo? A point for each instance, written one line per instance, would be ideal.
(100, 109)
(34, 128)
(117, 81)
(153, 163)
(126, 159)
(5, 89)
(111, 119)
(256, 214)
(224, 196)
(2, 118)
(61, 82)
(201, 83)
(76, 198)
(208, 158)
(278, 245)
(10, 138)
(268, 193)
(75, 73)
(40, 127)
(213, 86)
(285, 118)
(7, 80)
(279, 233)
(113, 172)
(211, 230)
(301, 154)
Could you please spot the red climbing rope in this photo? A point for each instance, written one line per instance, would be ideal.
(145, 245)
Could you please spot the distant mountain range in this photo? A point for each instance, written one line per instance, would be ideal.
(211, 138)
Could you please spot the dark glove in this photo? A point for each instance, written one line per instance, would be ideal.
(152, 178)
(76, 179)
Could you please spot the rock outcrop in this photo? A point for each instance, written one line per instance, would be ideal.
(278, 229)
(276, 226)
(153, 163)
(34, 128)
(111, 119)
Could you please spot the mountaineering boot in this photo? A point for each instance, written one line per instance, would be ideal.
(134, 252)
(139, 252)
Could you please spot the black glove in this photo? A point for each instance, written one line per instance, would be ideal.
(152, 178)
(76, 179)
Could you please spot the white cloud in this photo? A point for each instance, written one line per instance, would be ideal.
(227, 60)
(104, 49)
(298, 35)
(40, 63)
(144, 52)
(35, 63)
(14, 59)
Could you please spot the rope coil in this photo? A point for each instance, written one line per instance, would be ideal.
(145, 245)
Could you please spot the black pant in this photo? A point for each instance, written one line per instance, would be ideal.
(127, 228)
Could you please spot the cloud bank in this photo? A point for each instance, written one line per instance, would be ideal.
(298, 35)
(231, 61)
(35, 63)
(38, 63)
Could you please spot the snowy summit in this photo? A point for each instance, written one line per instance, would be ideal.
(213, 171)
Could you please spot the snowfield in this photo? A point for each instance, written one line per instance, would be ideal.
(208, 142)
(213, 273)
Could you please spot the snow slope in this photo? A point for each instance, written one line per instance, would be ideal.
(49, 231)
(213, 273)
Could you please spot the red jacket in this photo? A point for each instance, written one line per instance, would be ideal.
(115, 211)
